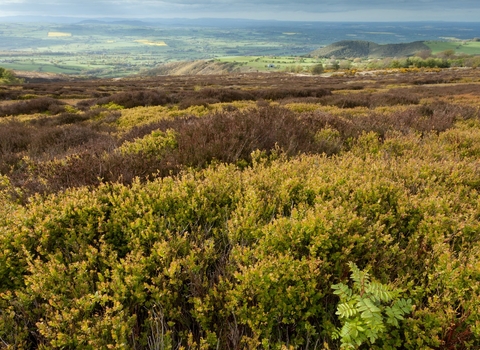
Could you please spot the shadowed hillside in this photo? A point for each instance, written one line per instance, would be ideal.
(356, 48)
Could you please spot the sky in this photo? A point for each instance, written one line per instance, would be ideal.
(307, 10)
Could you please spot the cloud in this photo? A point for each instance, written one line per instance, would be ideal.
(319, 5)
(402, 10)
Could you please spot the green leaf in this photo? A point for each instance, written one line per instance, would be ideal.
(363, 312)
(359, 277)
(346, 310)
(335, 334)
(380, 291)
(391, 317)
(342, 290)
(366, 304)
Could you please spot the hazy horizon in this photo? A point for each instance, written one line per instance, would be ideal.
(302, 10)
(76, 19)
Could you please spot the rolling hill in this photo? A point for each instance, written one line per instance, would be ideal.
(200, 67)
(356, 48)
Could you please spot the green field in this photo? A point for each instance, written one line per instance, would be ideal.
(460, 47)
(45, 66)
(271, 63)
(119, 49)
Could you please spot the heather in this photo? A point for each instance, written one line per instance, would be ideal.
(218, 212)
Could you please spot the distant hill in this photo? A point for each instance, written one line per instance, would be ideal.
(133, 23)
(357, 48)
(198, 68)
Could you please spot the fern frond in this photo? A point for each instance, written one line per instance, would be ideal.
(379, 291)
(367, 310)
(348, 331)
(366, 304)
(373, 334)
(392, 318)
(353, 334)
(335, 334)
(352, 331)
(346, 310)
(360, 278)
(342, 290)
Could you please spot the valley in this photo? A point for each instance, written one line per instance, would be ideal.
(121, 48)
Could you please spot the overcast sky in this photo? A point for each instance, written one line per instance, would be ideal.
(311, 10)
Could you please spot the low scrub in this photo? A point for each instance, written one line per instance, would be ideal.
(234, 258)
(223, 136)
(37, 105)
(228, 212)
(402, 97)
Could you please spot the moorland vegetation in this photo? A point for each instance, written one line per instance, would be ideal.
(229, 212)
(8, 77)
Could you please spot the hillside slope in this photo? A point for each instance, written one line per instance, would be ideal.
(357, 48)
(197, 68)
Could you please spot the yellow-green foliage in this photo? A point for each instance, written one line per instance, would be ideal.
(231, 258)
(303, 107)
(329, 138)
(70, 109)
(334, 110)
(236, 104)
(112, 106)
(146, 115)
(464, 140)
(197, 111)
(391, 109)
(7, 77)
(155, 144)
(143, 115)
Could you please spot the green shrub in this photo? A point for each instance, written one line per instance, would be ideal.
(369, 311)
(317, 69)
(8, 77)
(153, 145)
